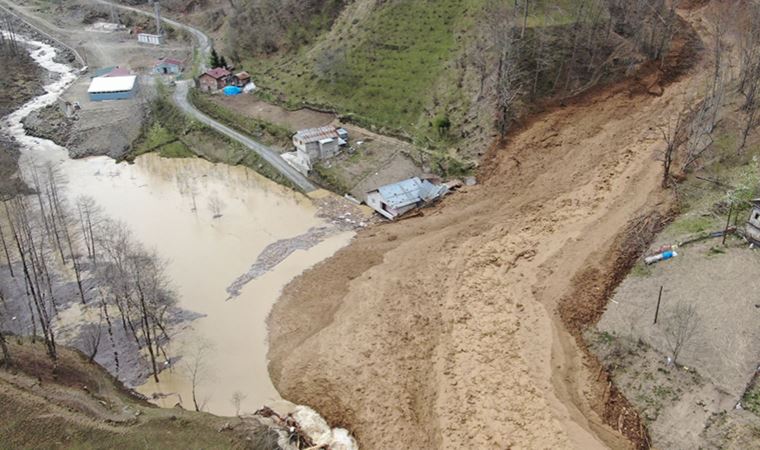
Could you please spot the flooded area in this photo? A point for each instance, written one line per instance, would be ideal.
(210, 222)
(170, 205)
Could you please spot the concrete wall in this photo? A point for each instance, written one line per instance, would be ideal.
(328, 150)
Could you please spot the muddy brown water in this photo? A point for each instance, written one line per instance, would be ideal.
(210, 222)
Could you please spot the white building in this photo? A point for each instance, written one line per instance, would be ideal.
(153, 39)
(318, 143)
(112, 88)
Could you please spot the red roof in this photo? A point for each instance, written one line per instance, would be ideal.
(217, 73)
(171, 61)
(118, 72)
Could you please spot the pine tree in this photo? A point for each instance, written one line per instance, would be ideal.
(214, 61)
(222, 62)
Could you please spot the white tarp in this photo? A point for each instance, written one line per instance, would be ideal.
(112, 84)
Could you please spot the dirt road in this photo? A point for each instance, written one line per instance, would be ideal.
(442, 331)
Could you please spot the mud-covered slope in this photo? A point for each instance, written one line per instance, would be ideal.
(443, 331)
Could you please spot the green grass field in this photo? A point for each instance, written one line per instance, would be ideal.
(381, 70)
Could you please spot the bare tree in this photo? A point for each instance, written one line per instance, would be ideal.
(7, 361)
(679, 327)
(135, 282)
(5, 250)
(195, 366)
(91, 335)
(215, 205)
(237, 400)
(674, 135)
(89, 218)
(749, 77)
(503, 36)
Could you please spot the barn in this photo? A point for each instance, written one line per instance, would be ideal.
(112, 88)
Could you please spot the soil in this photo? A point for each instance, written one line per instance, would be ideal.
(721, 351)
(444, 331)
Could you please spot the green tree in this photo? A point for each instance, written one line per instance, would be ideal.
(214, 61)
(222, 62)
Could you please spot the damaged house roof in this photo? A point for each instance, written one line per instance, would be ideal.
(410, 192)
(317, 134)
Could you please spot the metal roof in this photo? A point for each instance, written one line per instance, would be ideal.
(112, 84)
(317, 134)
(409, 192)
(169, 61)
(118, 72)
(102, 71)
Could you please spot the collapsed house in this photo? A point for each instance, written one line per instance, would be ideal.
(394, 200)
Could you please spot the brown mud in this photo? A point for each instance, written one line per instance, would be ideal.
(456, 329)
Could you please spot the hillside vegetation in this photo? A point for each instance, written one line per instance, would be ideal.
(448, 75)
(451, 74)
(75, 404)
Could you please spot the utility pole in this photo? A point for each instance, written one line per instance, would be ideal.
(657, 311)
(157, 9)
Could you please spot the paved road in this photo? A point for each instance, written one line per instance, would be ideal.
(180, 98)
(266, 153)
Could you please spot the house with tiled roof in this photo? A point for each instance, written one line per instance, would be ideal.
(214, 79)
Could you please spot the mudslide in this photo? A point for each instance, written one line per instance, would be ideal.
(443, 331)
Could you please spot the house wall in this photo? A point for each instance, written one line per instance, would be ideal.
(149, 39)
(328, 150)
(208, 83)
(754, 218)
(375, 201)
(100, 96)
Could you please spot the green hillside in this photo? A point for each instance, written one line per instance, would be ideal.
(380, 68)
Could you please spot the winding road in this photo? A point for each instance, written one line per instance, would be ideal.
(266, 153)
(181, 99)
(203, 46)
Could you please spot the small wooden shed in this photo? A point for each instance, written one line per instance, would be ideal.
(242, 78)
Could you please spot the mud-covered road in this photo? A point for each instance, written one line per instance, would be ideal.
(443, 331)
